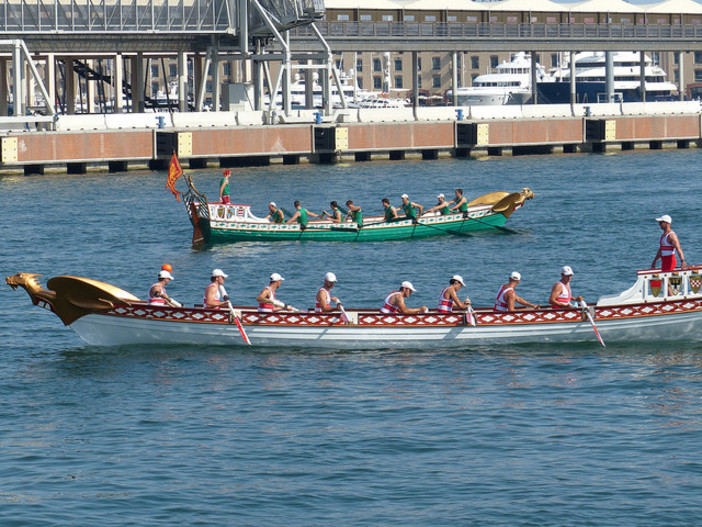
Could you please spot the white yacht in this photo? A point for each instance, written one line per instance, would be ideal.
(510, 83)
(590, 79)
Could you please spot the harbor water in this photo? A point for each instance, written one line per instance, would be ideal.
(503, 435)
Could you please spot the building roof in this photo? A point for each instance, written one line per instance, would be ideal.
(604, 6)
(521, 5)
(674, 6)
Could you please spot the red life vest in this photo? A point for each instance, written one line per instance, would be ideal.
(667, 249)
(317, 305)
(267, 307)
(565, 296)
(445, 304)
(500, 302)
(387, 306)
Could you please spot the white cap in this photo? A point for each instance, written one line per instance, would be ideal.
(515, 276)
(566, 270)
(408, 285)
(219, 272)
(275, 277)
(165, 274)
(273, 203)
(440, 196)
(404, 196)
(665, 218)
(458, 278)
(330, 277)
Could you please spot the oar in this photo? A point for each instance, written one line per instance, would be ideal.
(449, 231)
(470, 316)
(583, 304)
(344, 317)
(498, 227)
(223, 294)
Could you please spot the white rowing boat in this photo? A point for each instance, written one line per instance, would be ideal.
(659, 306)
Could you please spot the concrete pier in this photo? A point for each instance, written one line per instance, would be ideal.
(238, 139)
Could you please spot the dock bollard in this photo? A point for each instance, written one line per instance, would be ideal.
(459, 114)
(317, 117)
(588, 112)
(161, 121)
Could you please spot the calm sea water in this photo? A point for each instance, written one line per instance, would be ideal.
(513, 435)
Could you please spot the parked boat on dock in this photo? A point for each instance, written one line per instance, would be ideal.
(659, 306)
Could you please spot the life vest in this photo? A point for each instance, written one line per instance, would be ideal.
(387, 306)
(317, 305)
(267, 307)
(156, 300)
(445, 304)
(565, 295)
(667, 249)
(500, 302)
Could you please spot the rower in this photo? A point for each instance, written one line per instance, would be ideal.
(668, 244)
(395, 301)
(410, 208)
(389, 212)
(213, 299)
(157, 292)
(324, 298)
(267, 302)
(274, 213)
(461, 203)
(442, 206)
(561, 294)
(449, 296)
(507, 297)
(335, 215)
(224, 187)
(355, 213)
(301, 215)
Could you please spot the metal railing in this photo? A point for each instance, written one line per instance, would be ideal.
(95, 16)
(431, 30)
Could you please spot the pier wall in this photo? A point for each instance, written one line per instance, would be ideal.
(254, 138)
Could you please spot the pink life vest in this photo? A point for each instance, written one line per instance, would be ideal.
(667, 249)
(267, 307)
(387, 306)
(445, 304)
(317, 305)
(500, 302)
(156, 300)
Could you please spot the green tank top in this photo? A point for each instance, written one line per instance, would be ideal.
(278, 216)
(225, 192)
(388, 213)
(302, 219)
(463, 207)
(357, 216)
(444, 210)
(410, 211)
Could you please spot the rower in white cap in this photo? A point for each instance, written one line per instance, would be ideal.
(213, 298)
(267, 302)
(274, 213)
(449, 296)
(561, 294)
(442, 206)
(324, 298)
(669, 243)
(395, 301)
(507, 297)
(157, 292)
(410, 208)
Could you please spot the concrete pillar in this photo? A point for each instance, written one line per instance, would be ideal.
(532, 58)
(216, 81)
(90, 87)
(454, 78)
(4, 88)
(609, 75)
(197, 76)
(182, 81)
(17, 81)
(415, 80)
(309, 87)
(138, 76)
(118, 81)
(50, 76)
(573, 92)
(70, 88)
(642, 75)
(681, 77)
(31, 84)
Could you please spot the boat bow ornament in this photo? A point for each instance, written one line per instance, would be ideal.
(659, 306)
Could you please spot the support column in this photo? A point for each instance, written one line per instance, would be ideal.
(258, 80)
(197, 77)
(681, 77)
(70, 88)
(138, 83)
(17, 81)
(118, 80)
(216, 80)
(182, 81)
(309, 87)
(642, 75)
(90, 86)
(415, 81)
(534, 96)
(573, 93)
(287, 76)
(30, 83)
(454, 78)
(50, 77)
(4, 88)
(609, 76)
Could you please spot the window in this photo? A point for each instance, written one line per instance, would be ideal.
(551, 20)
(656, 57)
(494, 61)
(366, 18)
(173, 70)
(419, 82)
(475, 62)
(452, 18)
(473, 77)
(419, 63)
(512, 20)
(436, 63)
(154, 89)
(398, 64)
(698, 75)
(436, 81)
(359, 65)
(662, 21)
(226, 69)
(377, 83)
(377, 66)
(677, 77)
(359, 81)
(398, 82)
(589, 20)
(626, 20)
(343, 18)
(493, 18)
(676, 59)
(409, 18)
(471, 18)
(534, 19)
(554, 60)
(154, 71)
(430, 18)
(388, 18)
(698, 57)
(208, 87)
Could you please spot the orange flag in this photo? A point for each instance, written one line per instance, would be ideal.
(174, 172)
